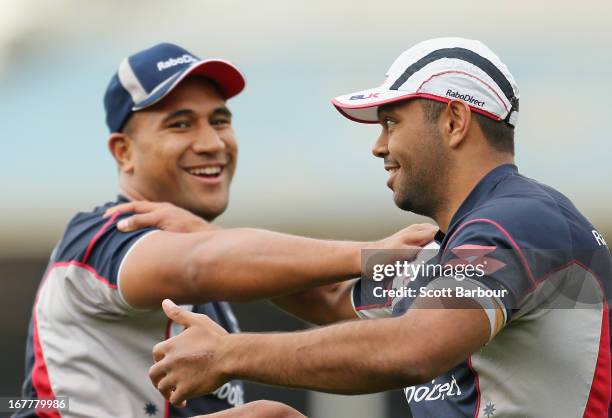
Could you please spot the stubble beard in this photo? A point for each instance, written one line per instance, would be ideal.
(423, 187)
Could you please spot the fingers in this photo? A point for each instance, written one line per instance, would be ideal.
(177, 398)
(159, 351)
(424, 236)
(141, 206)
(166, 386)
(422, 228)
(419, 234)
(156, 373)
(162, 215)
(135, 222)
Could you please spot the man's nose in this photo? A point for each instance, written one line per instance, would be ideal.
(208, 141)
(381, 147)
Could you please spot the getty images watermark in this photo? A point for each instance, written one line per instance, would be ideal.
(555, 279)
(405, 271)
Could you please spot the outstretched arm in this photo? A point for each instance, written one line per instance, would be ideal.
(334, 303)
(350, 358)
(236, 264)
(322, 305)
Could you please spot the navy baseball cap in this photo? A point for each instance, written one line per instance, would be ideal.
(146, 77)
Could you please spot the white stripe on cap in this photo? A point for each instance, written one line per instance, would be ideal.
(128, 80)
(437, 78)
(173, 78)
(455, 75)
(441, 69)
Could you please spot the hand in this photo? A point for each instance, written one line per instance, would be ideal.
(415, 235)
(187, 365)
(404, 245)
(161, 215)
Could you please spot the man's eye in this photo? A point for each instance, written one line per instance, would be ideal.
(220, 122)
(387, 122)
(180, 125)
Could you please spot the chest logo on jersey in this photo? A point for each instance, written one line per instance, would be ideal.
(489, 410)
(150, 409)
(232, 393)
(433, 391)
(599, 238)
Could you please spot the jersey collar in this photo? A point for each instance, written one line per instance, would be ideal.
(480, 193)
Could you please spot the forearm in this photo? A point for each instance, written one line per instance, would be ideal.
(354, 357)
(361, 356)
(247, 264)
(322, 305)
(350, 358)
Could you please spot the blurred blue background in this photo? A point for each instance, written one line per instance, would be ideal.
(302, 167)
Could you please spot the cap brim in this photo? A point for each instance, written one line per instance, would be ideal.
(362, 106)
(228, 78)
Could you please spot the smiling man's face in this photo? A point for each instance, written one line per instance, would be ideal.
(183, 150)
(414, 156)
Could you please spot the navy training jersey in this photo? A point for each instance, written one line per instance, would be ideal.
(550, 271)
(87, 343)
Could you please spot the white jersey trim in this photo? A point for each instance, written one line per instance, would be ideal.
(123, 300)
(490, 305)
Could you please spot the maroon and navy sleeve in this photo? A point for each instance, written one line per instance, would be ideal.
(92, 245)
(499, 263)
(108, 247)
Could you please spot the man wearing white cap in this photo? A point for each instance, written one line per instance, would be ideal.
(528, 336)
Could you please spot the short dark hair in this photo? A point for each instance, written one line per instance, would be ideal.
(499, 134)
(128, 126)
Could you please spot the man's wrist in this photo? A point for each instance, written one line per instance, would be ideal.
(229, 356)
(355, 257)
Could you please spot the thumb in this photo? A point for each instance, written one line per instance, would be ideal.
(176, 313)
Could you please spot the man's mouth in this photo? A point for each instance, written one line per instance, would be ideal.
(392, 169)
(208, 173)
(211, 171)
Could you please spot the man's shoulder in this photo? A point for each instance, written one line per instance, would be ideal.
(79, 232)
(92, 242)
(528, 213)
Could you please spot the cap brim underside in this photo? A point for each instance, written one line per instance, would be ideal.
(362, 106)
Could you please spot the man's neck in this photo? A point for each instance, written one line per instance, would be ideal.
(130, 193)
(464, 181)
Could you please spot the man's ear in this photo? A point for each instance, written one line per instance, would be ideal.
(121, 147)
(457, 123)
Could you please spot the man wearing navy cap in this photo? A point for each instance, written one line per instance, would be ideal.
(97, 312)
(526, 334)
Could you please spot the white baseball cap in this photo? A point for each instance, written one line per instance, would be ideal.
(441, 69)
